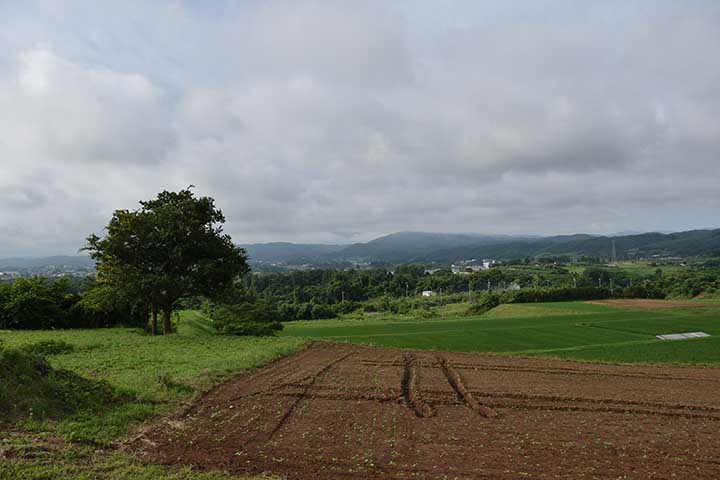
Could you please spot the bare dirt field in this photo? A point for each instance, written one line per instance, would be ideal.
(338, 411)
(650, 304)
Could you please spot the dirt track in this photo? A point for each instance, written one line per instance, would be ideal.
(339, 411)
(649, 304)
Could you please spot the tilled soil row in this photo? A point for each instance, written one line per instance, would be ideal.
(411, 393)
(457, 383)
(340, 411)
(597, 371)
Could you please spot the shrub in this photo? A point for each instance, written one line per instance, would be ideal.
(486, 301)
(34, 303)
(41, 303)
(49, 347)
(257, 318)
(425, 313)
(539, 295)
(31, 388)
(321, 311)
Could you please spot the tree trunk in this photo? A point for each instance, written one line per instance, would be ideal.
(154, 323)
(167, 321)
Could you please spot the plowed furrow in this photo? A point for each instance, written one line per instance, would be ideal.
(544, 370)
(457, 383)
(411, 392)
(610, 401)
(303, 396)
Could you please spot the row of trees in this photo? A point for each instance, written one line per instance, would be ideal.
(41, 303)
(316, 294)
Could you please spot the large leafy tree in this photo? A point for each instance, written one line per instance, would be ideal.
(170, 248)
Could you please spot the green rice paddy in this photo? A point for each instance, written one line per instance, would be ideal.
(573, 330)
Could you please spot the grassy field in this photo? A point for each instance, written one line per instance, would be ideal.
(573, 330)
(157, 373)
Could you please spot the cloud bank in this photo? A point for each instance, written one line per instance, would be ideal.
(339, 121)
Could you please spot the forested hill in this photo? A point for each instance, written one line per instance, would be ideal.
(406, 247)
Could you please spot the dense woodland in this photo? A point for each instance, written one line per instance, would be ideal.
(317, 294)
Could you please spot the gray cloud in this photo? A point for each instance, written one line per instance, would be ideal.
(337, 121)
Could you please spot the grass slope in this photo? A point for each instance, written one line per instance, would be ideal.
(158, 373)
(568, 330)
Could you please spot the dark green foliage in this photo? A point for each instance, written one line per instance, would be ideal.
(484, 303)
(316, 294)
(173, 247)
(247, 318)
(643, 291)
(43, 304)
(34, 303)
(540, 295)
(31, 388)
(49, 347)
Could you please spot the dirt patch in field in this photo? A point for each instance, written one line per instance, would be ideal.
(650, 304)
(339, 411)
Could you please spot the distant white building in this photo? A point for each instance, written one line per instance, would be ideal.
(471, 266)
(428, 293)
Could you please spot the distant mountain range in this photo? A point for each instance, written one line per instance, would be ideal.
(441, 248)
(423, 247)
(59, 261)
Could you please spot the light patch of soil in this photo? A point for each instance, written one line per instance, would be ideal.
(649, 304)
(337, 411)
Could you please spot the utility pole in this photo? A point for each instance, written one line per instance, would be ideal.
(343, 295)
(407, 287)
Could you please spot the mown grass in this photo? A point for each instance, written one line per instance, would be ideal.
(563, 329)
(157, 373)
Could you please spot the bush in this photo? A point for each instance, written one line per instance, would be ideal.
(31, 388)
(322, 311)
(487, 301)
(642, 292)
(34, 303)
(539, 295)
(257, 318)
(43, 304)
(425, 313)
(49, 347)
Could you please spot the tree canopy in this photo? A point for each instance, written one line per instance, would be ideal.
(170, 248)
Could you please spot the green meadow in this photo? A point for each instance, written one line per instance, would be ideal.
(151, 375)
(572, 330)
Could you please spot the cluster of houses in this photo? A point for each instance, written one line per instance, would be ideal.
(471, 266)
(9, 275)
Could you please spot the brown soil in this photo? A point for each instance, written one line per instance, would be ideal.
(653, 304)
(340, 411)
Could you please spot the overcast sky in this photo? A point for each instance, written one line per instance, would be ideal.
(337, 121)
